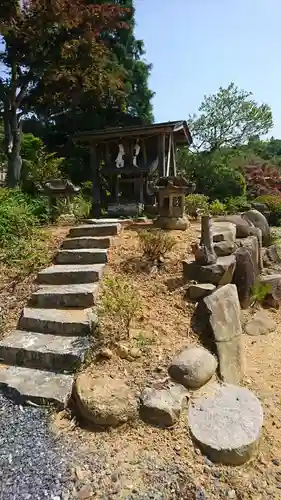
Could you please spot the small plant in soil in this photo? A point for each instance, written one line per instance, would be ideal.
(119, 304)
(155, 244)
(259, 292)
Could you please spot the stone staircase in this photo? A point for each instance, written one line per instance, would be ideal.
(38, 359)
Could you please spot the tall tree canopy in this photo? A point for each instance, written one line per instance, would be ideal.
(54, 53)
(229, 119)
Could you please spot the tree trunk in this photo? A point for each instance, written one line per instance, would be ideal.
(12, 128)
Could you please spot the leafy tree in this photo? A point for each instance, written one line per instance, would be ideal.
(53, 54)
(229, 119)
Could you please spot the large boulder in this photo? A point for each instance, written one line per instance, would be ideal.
(273, 295)
(253, 245)
(258, 220)
(244, 276)
(227, 424)
(105, 401)
(162, 407)
(193, 367)
(221, 316)
(223, 231)
(243, 227)
(219, 273)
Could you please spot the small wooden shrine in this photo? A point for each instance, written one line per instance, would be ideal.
(126, 161)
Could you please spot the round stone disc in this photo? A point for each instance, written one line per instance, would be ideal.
(226, 424)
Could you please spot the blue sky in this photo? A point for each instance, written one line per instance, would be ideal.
(196, 46)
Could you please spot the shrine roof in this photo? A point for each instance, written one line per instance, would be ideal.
(182, 135)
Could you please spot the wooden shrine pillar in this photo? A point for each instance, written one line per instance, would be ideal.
(95, 169)
(161, 155)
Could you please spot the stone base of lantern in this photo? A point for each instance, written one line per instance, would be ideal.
(66, 220)
(180, 223)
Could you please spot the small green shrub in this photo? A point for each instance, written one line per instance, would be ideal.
(155, 244)
(119, 303)
(81, 207)
(217, 208)
(273, 203)
(236, 205)
(195, 202)
(259, 292)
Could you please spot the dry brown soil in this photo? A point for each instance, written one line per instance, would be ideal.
(141, 462)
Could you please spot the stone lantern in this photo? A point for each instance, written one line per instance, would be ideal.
(171, 203)
(60, 189)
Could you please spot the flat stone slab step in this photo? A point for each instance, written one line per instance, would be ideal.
(70, 274)
(82, 256)
(94, 230)
(36, 385)
(87, 242)
(73, 322)
(57, 296)
(43, 351)
(108, 221)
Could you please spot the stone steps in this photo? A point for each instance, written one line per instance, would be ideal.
(94, 230)
(55, 321)
(53, 330)
(37, 386)
(86, 242)
(70, 274)
(43, 351)
(65, 296)
(82, 256)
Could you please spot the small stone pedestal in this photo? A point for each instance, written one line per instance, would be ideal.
(171, 195)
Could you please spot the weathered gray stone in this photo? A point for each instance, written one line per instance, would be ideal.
(36, 385)
(219, 273)
(223, 231)
(260, 324)
(82, 256)
(65, 296)
(41, 350)
(109, 220)
(162, 407)
(94, 230)
(244, 276)
(252, 244)
(243, 227)
(259, 221)
(227, 424)
(55, 321)
(105, 401)
(273, 296)
(223, 313)
(199, 291)
(84, 242)
(69, 274)
(272, 255)
(176, 223)
(193, 367)
(223, 248)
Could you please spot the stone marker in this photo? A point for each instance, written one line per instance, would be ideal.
(259, 221)
(223, 313)
(260, 324)
(227, 424)
(193, 367)
(223, 231)
(162, 407)
(244, 276)
(219, 273)
(105, 401)
(199, 291)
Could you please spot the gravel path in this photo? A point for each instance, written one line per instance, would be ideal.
(32, 464)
